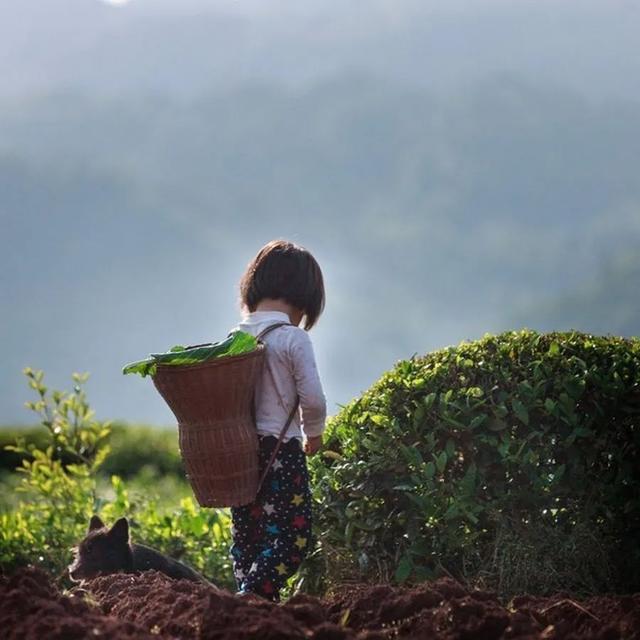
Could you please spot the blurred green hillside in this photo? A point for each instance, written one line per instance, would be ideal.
(147, 458)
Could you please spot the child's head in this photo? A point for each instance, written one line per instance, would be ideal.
(284, 271)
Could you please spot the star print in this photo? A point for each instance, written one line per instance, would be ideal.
(299, 522)
(281, 569)
(256, 511)
(297, 480)
(240, 574)
(273, 529)
(267, 553)
(267, 587)
(301, 542)
(254, 567)
(277, 465)
(269, 509)
(297, 499)
(235, 552)
(275, 485)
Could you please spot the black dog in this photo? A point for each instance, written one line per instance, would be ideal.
(104, 551)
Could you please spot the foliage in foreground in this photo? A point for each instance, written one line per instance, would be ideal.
(59, 482)
(510, 461)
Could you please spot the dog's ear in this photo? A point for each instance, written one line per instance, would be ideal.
(120, 530)
(95, 523)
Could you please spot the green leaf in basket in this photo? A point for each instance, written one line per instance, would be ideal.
(143, 367)
(237, 343)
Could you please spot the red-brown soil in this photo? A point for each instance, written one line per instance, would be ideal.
(154, 606)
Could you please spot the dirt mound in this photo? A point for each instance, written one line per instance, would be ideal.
(154, 606)
(32, 609)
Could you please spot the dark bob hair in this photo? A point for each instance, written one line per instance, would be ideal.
(284, 271)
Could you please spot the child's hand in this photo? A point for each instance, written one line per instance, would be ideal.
(312, 445)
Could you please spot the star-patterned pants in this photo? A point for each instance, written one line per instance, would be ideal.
(271, 535)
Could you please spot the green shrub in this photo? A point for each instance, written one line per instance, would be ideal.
(59, 484)
(59, 498)
(471, 459)
(134, 447)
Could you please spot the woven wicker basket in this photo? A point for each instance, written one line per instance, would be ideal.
(213, 404)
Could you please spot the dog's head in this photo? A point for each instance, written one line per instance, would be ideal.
(102, 551)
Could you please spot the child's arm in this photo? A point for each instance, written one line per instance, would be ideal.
(312, 399)
(312, 445)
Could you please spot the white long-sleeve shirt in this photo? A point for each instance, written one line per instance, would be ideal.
(292, 362)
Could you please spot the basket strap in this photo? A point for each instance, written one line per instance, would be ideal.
(278, 444)
(259, 337)
(284, 429)
(270, 328)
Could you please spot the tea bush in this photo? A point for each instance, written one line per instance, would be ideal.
(511, 461)
(59, 484)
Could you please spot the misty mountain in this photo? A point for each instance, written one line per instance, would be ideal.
(436, 217)
(607, 303)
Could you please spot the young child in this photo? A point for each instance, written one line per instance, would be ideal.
(271, 536)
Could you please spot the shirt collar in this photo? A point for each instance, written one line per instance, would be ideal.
(267, 315)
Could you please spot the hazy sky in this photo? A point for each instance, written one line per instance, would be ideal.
(192, 45)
